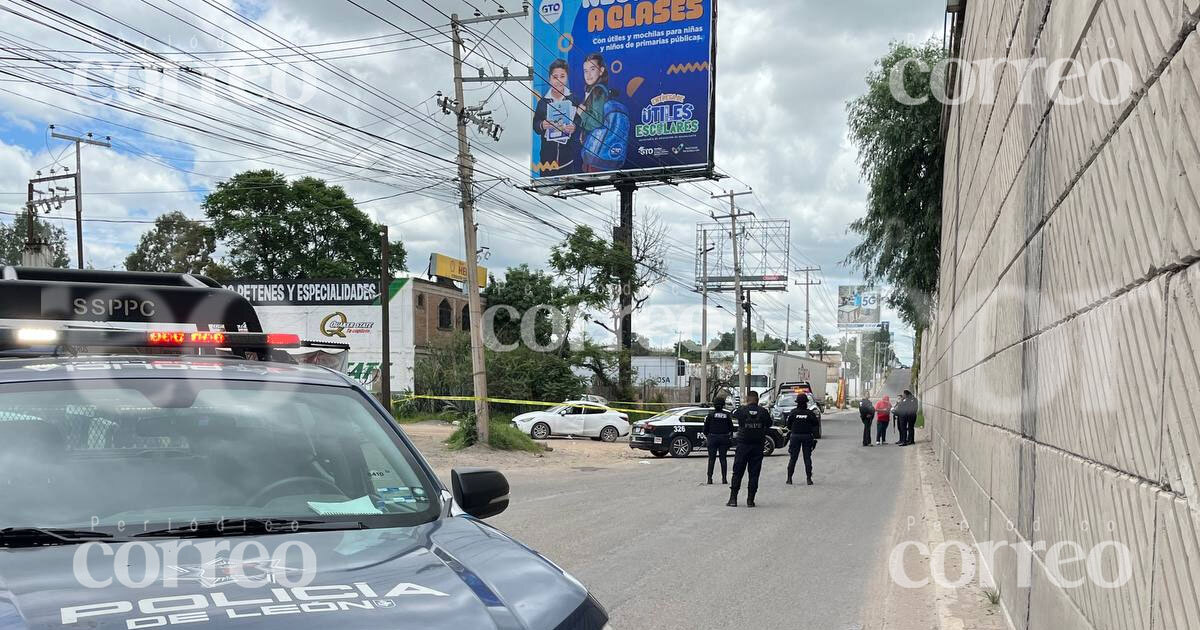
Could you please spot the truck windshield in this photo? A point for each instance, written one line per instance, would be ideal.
(130, 455)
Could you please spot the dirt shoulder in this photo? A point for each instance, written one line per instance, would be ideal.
(566, 454)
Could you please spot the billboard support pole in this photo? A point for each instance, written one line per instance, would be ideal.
(705, 248)
(625, 238)
(738, 342)
(385, 282)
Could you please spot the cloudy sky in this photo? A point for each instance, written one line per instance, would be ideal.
(785, 71)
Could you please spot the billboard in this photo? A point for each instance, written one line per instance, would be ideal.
(622, 88)
(444, 266)
(858, 307)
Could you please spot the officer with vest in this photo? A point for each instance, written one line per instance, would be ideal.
(802, 425)
(753, 422)
(718, 435)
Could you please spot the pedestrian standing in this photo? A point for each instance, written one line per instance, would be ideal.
(802, 424)
(866, 412)
(906, 413)
(718, 435)
(752, 425)
(883, 415)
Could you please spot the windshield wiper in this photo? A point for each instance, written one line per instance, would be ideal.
(250, 527)
(47, 536)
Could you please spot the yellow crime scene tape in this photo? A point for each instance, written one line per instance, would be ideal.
(511, 401)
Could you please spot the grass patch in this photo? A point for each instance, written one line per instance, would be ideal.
(993, 595)
(920, 419)
(503, 436)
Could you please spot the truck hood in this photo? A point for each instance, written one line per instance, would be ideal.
(451, 573)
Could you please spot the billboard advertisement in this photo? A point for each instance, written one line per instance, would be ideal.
(858, 307)
(622, 88)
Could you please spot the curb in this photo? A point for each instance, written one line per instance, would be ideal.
(947, 620)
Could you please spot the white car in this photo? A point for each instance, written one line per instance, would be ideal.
(575, 417)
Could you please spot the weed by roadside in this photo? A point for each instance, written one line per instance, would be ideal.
(503, 436)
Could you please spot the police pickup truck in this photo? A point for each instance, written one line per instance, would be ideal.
(164, 464)
(680, 431)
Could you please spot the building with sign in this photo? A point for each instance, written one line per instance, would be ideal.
(347, 311)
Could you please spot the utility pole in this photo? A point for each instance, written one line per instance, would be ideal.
(385, 293)
(466, 168)
(704, 318)
(79, 184)
(738, 343)
(807, 284)
(787, 330)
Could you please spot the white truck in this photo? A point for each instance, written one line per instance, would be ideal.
(791, 367)
(660, 370)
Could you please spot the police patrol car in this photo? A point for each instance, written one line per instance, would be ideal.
(163, 463)
(680, 431)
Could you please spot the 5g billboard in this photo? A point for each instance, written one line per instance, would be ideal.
(858, 307)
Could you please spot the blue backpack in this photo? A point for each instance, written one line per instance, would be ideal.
(606, 146)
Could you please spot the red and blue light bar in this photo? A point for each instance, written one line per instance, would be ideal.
(32, 337)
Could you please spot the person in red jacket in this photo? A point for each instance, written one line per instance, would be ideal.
(883, 414)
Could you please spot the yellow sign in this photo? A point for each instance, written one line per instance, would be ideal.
(454, 269)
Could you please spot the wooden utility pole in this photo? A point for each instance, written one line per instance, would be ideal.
(807, 284)
(385, 293)
(738, 342)
(79, 184)
(468, 115)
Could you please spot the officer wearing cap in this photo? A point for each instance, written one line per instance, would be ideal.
(718, 435)
(753, 422)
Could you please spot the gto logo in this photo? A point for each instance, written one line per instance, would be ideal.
(336, 325)
(550, 10)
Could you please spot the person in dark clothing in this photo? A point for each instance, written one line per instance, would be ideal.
(753, 422)
(718, 434)
(802, 423)
(906, 414)
(866, 412)
(554, 119)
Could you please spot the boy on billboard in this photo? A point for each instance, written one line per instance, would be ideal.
(554, 121)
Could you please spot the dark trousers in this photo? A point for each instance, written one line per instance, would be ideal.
(910, 424)
(902, 429)
(881, 430)
(866, 432)
(718, 446)
(795, 448)
(747, 456)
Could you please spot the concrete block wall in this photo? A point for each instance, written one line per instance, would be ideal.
(1061, 373)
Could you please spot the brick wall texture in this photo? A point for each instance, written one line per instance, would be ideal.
(1061, 375)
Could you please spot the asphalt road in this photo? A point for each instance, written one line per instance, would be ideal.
(660, 549)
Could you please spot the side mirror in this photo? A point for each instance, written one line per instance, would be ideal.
(480, 492)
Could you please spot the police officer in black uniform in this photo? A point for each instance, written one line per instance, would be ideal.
(802, 424)
(718, 434)
(753, 422)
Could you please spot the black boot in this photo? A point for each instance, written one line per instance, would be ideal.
(750, 500)
(810, 481)
(724, 481)
(710, 481)
(732, 498)
(789, 481)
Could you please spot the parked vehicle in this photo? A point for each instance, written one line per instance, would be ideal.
(680, 431)
(786, 402)
(582, 418)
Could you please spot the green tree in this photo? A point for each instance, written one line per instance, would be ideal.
(13, 236)
(820, 345)
(175, 244)
(900, 153)
(301, 229)
(523, 289)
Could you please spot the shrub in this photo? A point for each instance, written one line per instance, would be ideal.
(503, 436)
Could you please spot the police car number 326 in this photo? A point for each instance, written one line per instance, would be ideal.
(173, 478)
